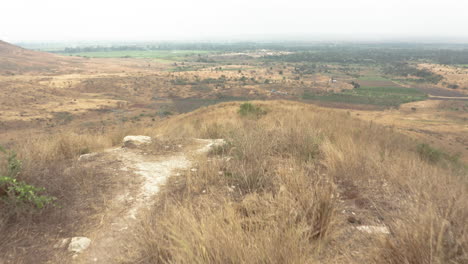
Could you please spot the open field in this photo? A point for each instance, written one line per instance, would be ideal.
(372, 78)
(169, 55)
(382, 96)
(293, 183)
(115, 90)
(112, 91)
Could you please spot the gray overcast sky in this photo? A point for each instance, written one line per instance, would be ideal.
(88, 20)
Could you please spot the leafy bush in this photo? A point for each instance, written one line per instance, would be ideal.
(18, 193)
(248, 109)
(429, 153)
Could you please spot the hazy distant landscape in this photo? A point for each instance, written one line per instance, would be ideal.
(249, 132)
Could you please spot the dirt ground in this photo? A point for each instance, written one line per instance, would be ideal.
(123, 212)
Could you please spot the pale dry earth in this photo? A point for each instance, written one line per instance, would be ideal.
(119, 220)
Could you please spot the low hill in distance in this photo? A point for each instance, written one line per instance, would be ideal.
(15, 60)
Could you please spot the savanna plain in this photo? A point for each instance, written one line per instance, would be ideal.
(238, 153)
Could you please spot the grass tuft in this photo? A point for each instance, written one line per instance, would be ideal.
(249, 109)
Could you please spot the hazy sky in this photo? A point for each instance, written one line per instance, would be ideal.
(74, 20)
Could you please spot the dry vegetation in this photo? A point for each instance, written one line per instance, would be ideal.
(81, 192)
(440, 123)
(455, 78)
(291, 186)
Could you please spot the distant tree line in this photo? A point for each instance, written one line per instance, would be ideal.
(372, 55)
(231, 47)
(100, 49)
(313, 53)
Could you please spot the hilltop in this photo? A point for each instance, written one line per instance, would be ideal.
(291, 183)
(19, 60)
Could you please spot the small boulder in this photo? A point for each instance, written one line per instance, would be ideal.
(87, 157)
(134, 141)
(78, 244)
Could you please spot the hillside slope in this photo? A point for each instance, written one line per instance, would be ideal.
(14, 59)
(302, 184)
(294, 183)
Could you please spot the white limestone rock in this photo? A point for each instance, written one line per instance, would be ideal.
(78, 244)
(134, 141)
(87, 157)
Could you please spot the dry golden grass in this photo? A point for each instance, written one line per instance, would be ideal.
(442, 123)
(282, 189)
(81, 191)
(290, 186)
(453, 75)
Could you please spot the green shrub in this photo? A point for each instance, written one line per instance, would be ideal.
(248, 109)
(21, 194)
(429, 153)
(17, 193)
